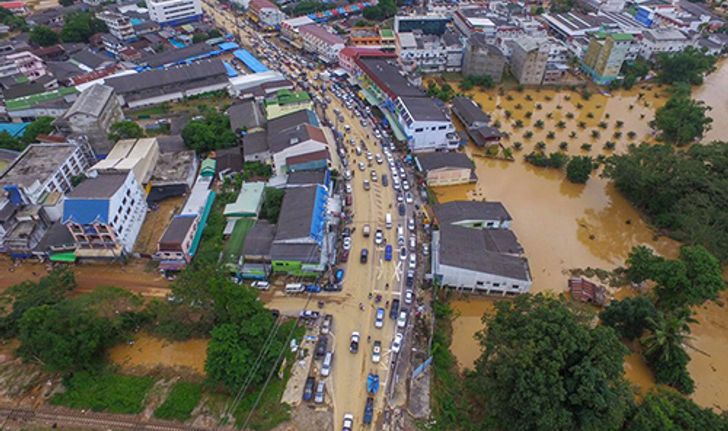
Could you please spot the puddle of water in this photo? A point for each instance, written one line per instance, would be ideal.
(468, 314)
(151, 352)
(714, 92)
(708, 349)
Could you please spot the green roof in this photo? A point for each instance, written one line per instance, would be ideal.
(248, 201)
(234, 245)
(622, 37)
(208, 167)
(285, 97)
(35, 99)
(68, 256)
(385, 32)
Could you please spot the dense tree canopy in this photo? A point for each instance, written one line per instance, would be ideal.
(43, 36)
(663, 349)
(685, 66)
(681, 191)
(212, 132)
(629, 317)
(125, 129)
(470, 81)
(15, 22)
(579, 169)
(273, 199)
(665, 410)
(383, 10)
(39, 126)
(682, 120)
(543, 367)
(80, 26)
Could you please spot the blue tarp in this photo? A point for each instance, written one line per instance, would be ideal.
(176, 43)
(231, 72)
(86, 211)
(13, 129)
(250, 61)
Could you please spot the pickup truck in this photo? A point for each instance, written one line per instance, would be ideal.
(369, 410)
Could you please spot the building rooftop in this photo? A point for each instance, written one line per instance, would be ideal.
(259, 239)
(173, 167)
(175, 55)
(175, 76)
(296, 214)
(469, 112)
(245, 115)
(306, 253)
(424, 109)
(322, 34)
(101, 187)
(386, 74)
(441, 159)
(90, 59)
(307, 177)
(247, 202)
(176, 232)
(255, 143)
(457, 211)
(91, 101)
(36, 163)
(38, 99)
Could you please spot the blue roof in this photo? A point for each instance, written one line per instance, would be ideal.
(228, 46)
(86, 211)
(250, 61)
(231, 72)
(13, 129)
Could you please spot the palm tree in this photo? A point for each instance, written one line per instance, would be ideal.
(561, 124)
(669, 333)
(538, 124)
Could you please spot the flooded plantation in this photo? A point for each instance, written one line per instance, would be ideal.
(148, 352)
(563, 226)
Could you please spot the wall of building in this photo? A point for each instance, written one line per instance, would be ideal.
(306, 147)
(481, 282)
(127, 209)
(448, 176)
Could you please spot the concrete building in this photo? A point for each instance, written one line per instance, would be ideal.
(173, 174)
(175, 244)
(285, 102)
(446, 168)
(248, 202)
(119, 25)
(321, 42)
(428, 24)
(92, 115)
(295, 140)
(426, 124)
(662, 40)
(372, 37)
(528, 59)
(476, 122)
(153, 87)
(483, 59)
(429, 53)
(605, 56)
(105, 214)
(42, 169)
(265, 13)
(474, 249)
(174, 12)
(349, 55)
(22, 63)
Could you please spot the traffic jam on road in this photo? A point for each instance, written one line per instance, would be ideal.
(370, 160)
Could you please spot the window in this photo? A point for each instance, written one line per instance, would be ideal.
(442, 128)
(419, 130)
(496, 284)
(491, 224)
(515, 286)
(479, 283)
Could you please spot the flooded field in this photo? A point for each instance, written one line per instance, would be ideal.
(149, 352)
(563, 225)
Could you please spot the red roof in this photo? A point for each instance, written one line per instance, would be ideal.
(12, 5)
(352, 51)
(322, 34)
(261, 4)
(308, 157)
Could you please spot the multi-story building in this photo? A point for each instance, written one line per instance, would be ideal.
(92, 115)
(174, 12)
(482, 58)
(175, 245)
(321, 42)
(118, 24)
(605, 55)
(105, 214)
(372, 37)
(265, 13)
(285, 102)
(349, 55)
(428, 24)
(426, 124)
(429, 53)
(662, 40)
(22, 63)
(528, 59)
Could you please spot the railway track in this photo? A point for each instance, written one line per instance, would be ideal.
(12, 417)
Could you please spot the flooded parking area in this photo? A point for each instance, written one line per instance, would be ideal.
(563, 226)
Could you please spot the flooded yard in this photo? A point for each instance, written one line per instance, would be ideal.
(563, 226)
(149, 352)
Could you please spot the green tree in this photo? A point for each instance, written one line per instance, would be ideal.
(665, 410)
(15, 22)
(212, 132)
(686, 66)
(306, 7)
(579, 169)
(694, 278)
(125, 129)
(43, 35)
(629, 317)
(663, 349)
(80, 26)
(641, 264)
(63, 339)
(39, 126)
(543, 367)
(682, 120)
(272, 201)
(9, 142)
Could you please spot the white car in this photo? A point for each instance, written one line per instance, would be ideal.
(409, 198)
(378, 237)
(348, 422)
(412, 243)
(402, 320)
(348, 188)
(401, 171)
(261, 285)
(425, 249)
(412, 261)
(405, 185)
(409, 296)
(362, 166)
(402, 253)
(397, 342)
(400, 199)
(347, 243)
(411, 224)
(348, 175)
(377, 352)
(379, 159)
(369, 156)
(373, 175)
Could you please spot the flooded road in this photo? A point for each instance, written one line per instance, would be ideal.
(149, 352)
(564, 226)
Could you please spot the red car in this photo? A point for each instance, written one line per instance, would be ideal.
(345, 256)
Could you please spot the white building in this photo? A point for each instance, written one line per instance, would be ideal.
(173, 12)
(22, 63)
(474, 249)
(662, 40)
(426, 124)
(105, 213)
(320, 41)
(119, 25)
(429, 53)
(267, 14)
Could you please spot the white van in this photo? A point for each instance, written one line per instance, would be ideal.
(326, 365)
(295, 288)
(400, 231)
(388, 220)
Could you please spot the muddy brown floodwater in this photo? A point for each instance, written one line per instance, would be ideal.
(564, 226)
(150, 352)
